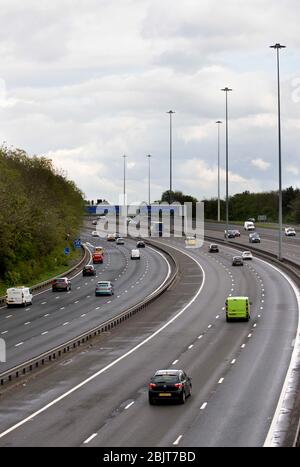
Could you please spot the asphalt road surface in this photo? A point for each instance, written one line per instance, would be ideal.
(56, 317)
(98, 397)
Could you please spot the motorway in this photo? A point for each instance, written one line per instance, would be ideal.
(98, 397)
(269, 240)
(56, 317)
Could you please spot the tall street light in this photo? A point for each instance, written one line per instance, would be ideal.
(124, 179)
(170, 112)
(227, 217)
(277, 47)
(149, 196)
(219, 211)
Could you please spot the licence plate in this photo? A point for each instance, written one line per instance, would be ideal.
(165, 394)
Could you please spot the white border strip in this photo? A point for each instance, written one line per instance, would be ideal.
(277, 430)
(119, 359)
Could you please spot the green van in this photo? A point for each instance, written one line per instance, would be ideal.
(237, 308)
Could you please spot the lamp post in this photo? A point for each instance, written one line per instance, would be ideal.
(170, 112)
(227, 216)
(124, 179)
(149, 197)
(219, 211)
(277, 47)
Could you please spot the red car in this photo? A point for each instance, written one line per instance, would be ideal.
(97, 258)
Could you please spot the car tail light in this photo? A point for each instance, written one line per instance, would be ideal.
(152, 385)
(178, 385)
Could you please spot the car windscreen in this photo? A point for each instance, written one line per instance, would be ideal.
(166, 379)
(103, 285)
(60, 280)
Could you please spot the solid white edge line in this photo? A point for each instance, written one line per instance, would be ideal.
(119, 359)
(269, 441)
(169, 269)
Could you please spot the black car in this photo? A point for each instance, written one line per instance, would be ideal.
(254, 238)
(213, 248)
(237, 261)
(62, 283)
(140, 244)
(89, 270)
(169, 385)
(231, 234)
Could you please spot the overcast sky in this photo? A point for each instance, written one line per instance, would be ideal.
(85, 81)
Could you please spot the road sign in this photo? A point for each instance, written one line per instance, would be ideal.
(77, 243)
(262, 218)
(67, 250)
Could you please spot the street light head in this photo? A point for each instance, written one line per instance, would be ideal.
(170, 112)
(219, 121)
(148, 155)
(277, 46)
(226, 89)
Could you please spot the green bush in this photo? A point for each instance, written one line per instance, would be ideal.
(39, 209)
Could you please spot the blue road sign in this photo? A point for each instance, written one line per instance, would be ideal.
(77, 243)
(67, 250)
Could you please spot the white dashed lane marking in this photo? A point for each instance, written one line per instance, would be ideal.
(129, 405)
(90, 438)
(177, 440)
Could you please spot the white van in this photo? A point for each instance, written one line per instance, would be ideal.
(249, 225)
(135, 254)
(18, 296)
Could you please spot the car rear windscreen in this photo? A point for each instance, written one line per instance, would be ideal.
(166, 379)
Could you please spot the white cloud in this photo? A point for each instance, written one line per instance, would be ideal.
(86, 82)
(292, 169)
(201, 179)
(260, 164)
